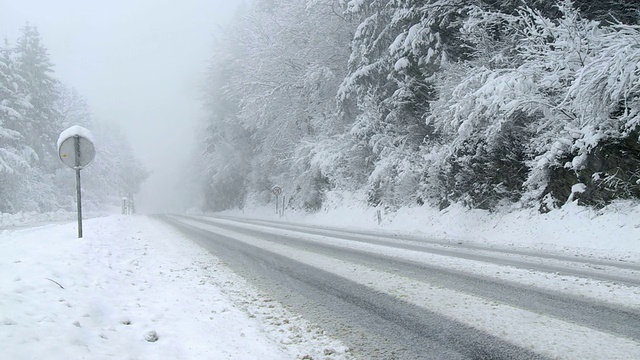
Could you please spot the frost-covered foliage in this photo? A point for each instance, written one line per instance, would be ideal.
(437, 101)
(572, 80)
(34, 108)
(270, 95)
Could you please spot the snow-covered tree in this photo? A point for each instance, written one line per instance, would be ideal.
(114, 161)
(554, 90)
(15, 155)
(437, 101)
(271, 89)
(34, 108)
(41, 120)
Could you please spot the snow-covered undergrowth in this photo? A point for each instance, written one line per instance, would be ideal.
(611, 233)
(25, 218)
(34, 218)
(134, 288)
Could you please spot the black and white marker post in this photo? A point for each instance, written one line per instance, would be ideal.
(277, 191)
(76, 150)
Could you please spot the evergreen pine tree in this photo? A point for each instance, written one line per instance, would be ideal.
(41, 126)
(15, 156)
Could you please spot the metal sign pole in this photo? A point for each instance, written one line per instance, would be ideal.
(79, 196)
(277, 191)
(78, 188)
(282, 208)
(76, 150)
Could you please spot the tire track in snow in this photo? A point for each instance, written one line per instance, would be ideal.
(580, 299)
(501, 320)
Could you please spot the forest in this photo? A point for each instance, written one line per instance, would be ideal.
(485, 103)
(35, 108)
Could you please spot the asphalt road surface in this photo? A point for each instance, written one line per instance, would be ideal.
(393, 297)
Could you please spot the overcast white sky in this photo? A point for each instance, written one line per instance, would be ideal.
(139, 63)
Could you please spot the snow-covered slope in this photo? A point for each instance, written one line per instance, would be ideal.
(135, 289)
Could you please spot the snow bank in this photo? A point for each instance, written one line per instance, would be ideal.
(33, 218)
(133, 288)
(610, 233)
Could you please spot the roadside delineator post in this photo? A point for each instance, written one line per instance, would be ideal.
(277, 191)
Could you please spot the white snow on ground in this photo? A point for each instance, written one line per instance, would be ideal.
(30, 219)
(133, 288)
(609, 233)
(133, 278)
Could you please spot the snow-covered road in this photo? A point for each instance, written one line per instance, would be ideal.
(258, 289)
(408, 297)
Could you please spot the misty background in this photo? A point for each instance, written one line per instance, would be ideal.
(489, 105)
(140, 64)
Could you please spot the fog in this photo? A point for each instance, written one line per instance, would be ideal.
(139, 63)
(327, 97)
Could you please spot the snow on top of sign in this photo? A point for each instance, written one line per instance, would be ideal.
(73, 131)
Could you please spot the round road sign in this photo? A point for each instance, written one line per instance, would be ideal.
(276, 190)
(77, 152)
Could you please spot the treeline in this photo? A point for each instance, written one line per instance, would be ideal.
(35, 108)
(484, 103)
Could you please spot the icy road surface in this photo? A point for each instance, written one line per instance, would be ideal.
(402, 297)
